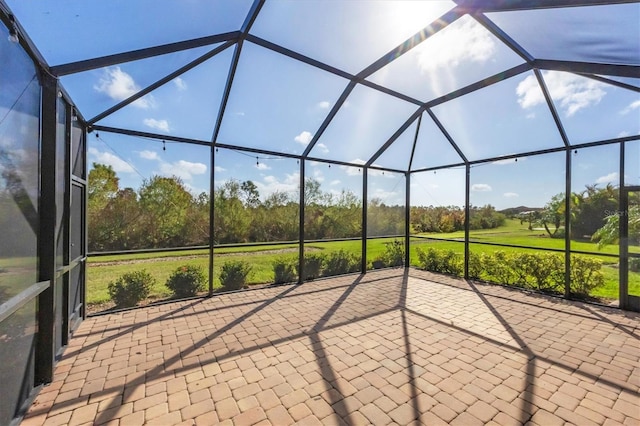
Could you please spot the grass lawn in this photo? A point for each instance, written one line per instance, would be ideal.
(104, 269)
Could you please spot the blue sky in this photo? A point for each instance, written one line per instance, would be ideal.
(278, 104)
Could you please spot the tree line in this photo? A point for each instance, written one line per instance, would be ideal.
(163, 213)
(594, 214)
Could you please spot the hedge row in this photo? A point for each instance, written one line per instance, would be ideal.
(132, 287)
(286, 268)
(540, 271)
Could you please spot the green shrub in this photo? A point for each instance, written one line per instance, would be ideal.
(585, 275)
(539, 271)
(501, 267)
(312, 266)
(452, 263)
(186, 281)
(445, 262)
(377, 263)
(284, 270)
(234, 273)
(393, 253)
(131, 288)
(340, 262)
(475, 265)
(429, 260)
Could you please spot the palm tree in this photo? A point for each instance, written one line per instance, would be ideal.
(609, 233)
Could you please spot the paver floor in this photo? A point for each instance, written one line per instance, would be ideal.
(394, 346)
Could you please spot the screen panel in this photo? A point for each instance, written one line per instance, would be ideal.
(19, 168)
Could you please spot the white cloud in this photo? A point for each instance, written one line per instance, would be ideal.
(149, 155)
(262, 166)
(529, 92)
(633, 105)
(322, 147)
(335, 182)
(117, 163)
(119, 85)
(610, 178)
(180, 83)
(511, 195)
(384, 195)
(183, 169)
(324, 105)
(162, 125)
(270, 184)
(481, 187)
(219, 169)
(572, 92)
(353, 171)
(466, 41)
(623, 134)
(304, 138)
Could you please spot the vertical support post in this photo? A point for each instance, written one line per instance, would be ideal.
(407, 219)
(211, 216)
(65, 279)
(85, 221)
(45, 344)
(567, 225)
(365, 184)
(623, 232)
(301, 223)
(467, 221)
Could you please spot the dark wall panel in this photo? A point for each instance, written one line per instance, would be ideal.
(17, 344)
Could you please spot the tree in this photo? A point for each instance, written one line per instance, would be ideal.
(251, 196)
(592, 208)
(530, 217)
(609, 233)
(164, 202)
(231, 220)
(196, 227)
(553, 214)
(103, 186)
(116, 227)
(383, 220)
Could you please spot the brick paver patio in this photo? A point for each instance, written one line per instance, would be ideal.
(393, 346)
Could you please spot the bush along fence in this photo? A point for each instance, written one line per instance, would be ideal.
(189, 280)
(316, 265)
(543, 272)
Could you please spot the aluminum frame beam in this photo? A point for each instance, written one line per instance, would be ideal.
(161, 82)
(578, 67)
(530, 153)
(134, 55)
(513, 5)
